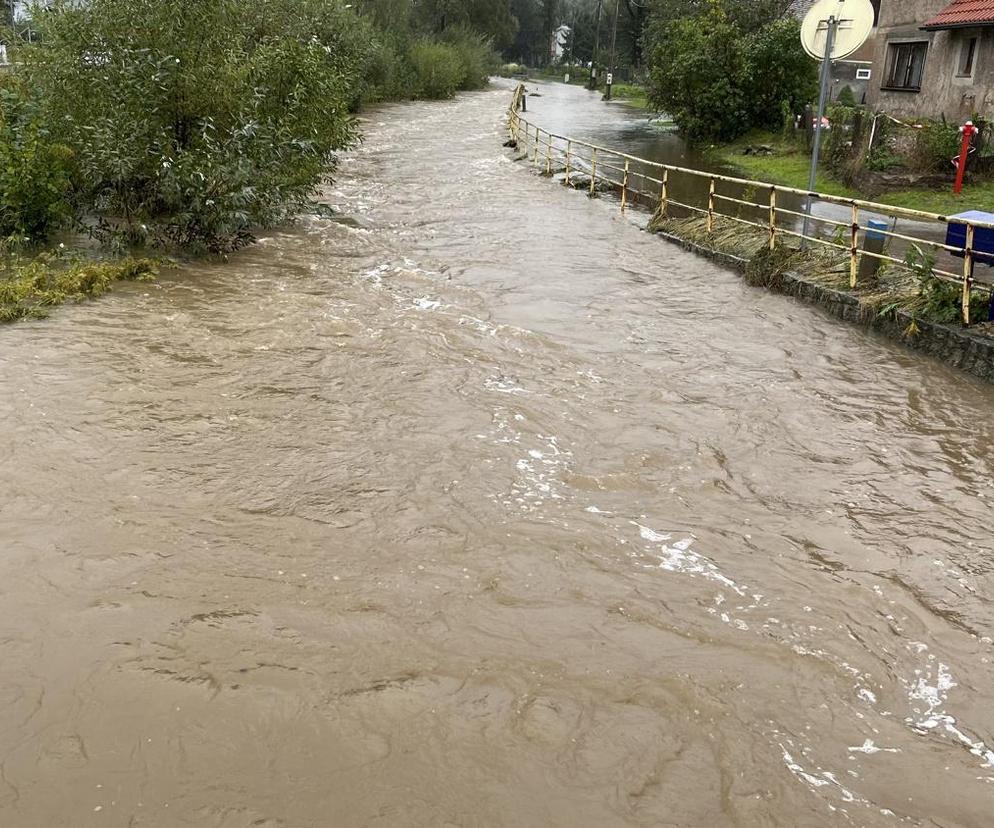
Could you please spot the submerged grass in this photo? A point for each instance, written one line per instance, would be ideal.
(31, 286)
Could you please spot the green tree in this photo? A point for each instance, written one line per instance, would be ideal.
(194, 121)
(700, 77)
(727, 66)
(782, 76)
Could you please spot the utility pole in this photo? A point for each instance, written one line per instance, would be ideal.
(597, 43)
(614, 43)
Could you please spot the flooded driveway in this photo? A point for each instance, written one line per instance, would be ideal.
(486, 508)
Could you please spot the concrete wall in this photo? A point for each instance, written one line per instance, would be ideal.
(942, 92)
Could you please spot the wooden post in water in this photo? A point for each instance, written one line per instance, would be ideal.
(535, 149)
(967, 273)
(593, 170)
(854, 247)
(569, 153)
(664, 196)
(624, 187)
(548, 156)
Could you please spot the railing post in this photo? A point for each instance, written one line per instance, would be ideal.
(664, 196)
(711, 206)
(967, 273)
(548, 157)
(624, 187)
(535, 149)
(569, 153)
(593, 170)
(854, 247)
(773, 218)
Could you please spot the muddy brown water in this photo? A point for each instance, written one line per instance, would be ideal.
(486, 508)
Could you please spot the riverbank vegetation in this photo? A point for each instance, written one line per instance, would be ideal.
(786, 159)
(726, 67)
(188, 125)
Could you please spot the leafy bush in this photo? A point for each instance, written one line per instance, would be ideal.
(388, 75)
(936, 144)
(718, 81)
(438, 69)
(193, 123)
(476, 55)
(34, 171)
(699, 76)
(846, 96)
(781, 75)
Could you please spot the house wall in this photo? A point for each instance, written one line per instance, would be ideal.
(942, 92)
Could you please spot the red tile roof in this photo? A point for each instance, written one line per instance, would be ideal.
(962, 13)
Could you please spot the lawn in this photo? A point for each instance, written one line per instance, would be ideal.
(789, 166)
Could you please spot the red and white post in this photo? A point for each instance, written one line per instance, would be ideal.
(968, 130)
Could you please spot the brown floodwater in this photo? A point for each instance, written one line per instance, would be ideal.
(486, 508)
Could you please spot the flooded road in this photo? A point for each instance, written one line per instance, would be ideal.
(486, 508)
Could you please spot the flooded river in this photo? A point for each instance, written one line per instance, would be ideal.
(485, 508)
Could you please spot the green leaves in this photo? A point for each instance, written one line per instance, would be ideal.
(729, 69)
(193, 122)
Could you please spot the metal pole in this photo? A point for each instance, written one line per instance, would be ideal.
(826, 73)
(597, 44)
(624, 188)
(614, 41)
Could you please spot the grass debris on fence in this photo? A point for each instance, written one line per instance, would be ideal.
(913, 289)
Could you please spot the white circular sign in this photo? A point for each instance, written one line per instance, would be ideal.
(854, 20)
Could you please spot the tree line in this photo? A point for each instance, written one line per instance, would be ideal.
(190, 123)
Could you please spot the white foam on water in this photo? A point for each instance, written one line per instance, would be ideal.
(539, 474)
(928, 694)
(868, 747)
(425, 303)
(503, 385)
(679, 557)
(821, 780)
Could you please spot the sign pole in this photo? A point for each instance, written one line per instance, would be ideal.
(614, 42)
(592, 82)
(826, 74)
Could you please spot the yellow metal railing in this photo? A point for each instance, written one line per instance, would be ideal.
(641, 181)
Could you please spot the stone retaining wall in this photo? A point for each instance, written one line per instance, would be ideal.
(960, 347)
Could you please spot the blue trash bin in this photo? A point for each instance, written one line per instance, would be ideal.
(874, 228)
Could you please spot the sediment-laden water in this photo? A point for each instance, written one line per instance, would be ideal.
(484, 507)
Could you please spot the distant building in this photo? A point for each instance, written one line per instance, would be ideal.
(560, 42)
(937, 58)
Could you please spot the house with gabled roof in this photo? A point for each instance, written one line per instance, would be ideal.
(936, 58)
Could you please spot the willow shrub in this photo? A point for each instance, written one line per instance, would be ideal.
(34, 171)
(438, 69)
(192, 122)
